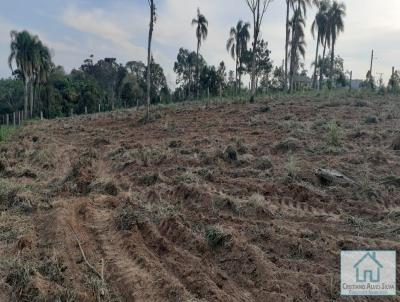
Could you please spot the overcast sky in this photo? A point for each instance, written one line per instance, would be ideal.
(74, 29)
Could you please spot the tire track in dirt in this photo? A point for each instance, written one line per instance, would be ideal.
(136, 278)
(145, 259)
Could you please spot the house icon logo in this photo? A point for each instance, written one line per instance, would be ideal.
(368, 273)
(368, 268)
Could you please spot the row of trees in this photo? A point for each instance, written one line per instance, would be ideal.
(39, 84)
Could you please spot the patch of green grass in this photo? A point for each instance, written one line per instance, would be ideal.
(6, 132)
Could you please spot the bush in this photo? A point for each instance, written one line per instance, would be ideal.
(230, 154)
(371, 120)
(334, 135)
(149, 179)
(215, 236)
(263, 163)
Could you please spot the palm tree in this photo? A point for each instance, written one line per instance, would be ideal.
(151, 28)
(42, 68)
(201, 24)
(22, 52)
(239, 36)
(296, 5)
(297, 44)
(336, 14)
(319, 25)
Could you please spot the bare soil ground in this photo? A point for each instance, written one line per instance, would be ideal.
(226, 203)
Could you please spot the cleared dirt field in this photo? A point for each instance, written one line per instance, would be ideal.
(235, 202)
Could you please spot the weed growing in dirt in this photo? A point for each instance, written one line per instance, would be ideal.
(257, 200)
(15, 196)
(149, 179)
(53, 269)
(187, 178)
(263, 163)
(334, 134)
(126, 218)
(215, 236)
(292, 170)
(19, 273)
(371, 119)
(8, 233)
(288, 145)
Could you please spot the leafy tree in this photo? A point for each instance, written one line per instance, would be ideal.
(394, 82)
(11, 95)
(278, 79)
(263, 61)
(158, 82)
(201, 24)
(258, 9)
(185, 67)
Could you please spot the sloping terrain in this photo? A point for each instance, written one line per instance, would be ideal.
(235, 202)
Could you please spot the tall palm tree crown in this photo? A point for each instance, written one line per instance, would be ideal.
(32, 58)
(239, 37)
(336, 15)
(320, 25)
(201, 24)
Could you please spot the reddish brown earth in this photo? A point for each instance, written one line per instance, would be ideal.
(142, 199)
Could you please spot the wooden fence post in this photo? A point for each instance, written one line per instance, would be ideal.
(41, 115)
(85, 110)
(7, 119)
(72, 112)
(14, 122)
(351, 79)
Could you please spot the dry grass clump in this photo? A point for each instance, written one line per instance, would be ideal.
(16, 196)
(288, 145)
(216, 237)
(257, 200)
(104, 186)
(263, 163)
(334, 134)
(292, 170)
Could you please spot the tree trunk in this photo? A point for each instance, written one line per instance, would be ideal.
(26, 98)
(316, 63)
(236, 76)
(286, 45)
(321, 67)
(240, 78)
(149, 58)
(253, 67)
(31, 100)
(197, 69)
(332, 62)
